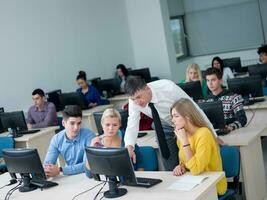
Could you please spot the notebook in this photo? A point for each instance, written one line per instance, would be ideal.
(187, 182)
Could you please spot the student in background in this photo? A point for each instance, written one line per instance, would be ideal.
(262, 51)
(227, 73)
(113, 137)
(234, 115)
(198, 150)
(42, 114)
(70, 143)
(193, 73)
(91, 96)
(122, 76)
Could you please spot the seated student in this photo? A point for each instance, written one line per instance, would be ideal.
(70, 143)
(113, 137)
(91, 96)
(234, 115)
(193, 73)
(262, 51)
(227, 73)
(198, 149)
(42, 114)
(122, 76)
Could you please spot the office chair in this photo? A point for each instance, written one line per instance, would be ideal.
(98, 115)
(150, 159)
(231, 166)
(6, 142)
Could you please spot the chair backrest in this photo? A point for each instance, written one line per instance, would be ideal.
(6, 143)
(98, 115)
(150, 159)
(230, 160)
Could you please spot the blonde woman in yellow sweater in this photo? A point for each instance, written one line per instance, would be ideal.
(198, 149)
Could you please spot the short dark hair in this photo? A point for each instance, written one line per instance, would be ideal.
(39, 92)
(72, 111)
(123, 69)
(134, 84)
(213, 71)
(262, 49)
(81, 75)
(217, 58)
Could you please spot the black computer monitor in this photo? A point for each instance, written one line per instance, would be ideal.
(143, 73)
(72, 98)
(111, 86)
(26, 163)
(193, 89)
(258, 70)
(233, 63)
(249, 87)
(14, 120)
(53, 96)
(214, 112)
(113, 163)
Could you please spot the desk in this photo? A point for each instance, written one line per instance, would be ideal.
(119, 100)
(88, 120)
(39, 140)
(259, 110)
(69, 186)
(252, 165)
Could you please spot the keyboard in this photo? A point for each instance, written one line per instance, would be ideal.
(43, 183)
(147, 182)
(223, 131)
(28, 132)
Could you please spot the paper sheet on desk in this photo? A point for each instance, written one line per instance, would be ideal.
(187, 182)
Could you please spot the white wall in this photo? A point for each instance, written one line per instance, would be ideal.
(45, 43)
(148, 35)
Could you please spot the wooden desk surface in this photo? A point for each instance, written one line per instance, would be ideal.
(259, 105)
(27, 137)
(69, 186)
(119, 97)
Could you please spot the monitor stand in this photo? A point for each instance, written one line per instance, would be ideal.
(26, 184)
(114, 191)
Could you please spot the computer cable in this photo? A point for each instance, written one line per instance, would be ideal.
(10, 192)
(100, 190)
(88, 190)
(11, 182)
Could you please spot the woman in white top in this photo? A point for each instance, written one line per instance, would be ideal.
(217, 62)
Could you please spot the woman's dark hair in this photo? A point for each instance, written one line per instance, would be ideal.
(219, 60)
(123, 69)
(81, 75)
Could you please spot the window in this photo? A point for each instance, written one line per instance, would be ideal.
(179, 37)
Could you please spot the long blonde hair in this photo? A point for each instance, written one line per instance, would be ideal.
(112, 113)
(187, 109)
(196, 67)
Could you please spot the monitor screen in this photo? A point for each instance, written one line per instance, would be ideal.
(248, 87)
(72, 98)
(233, 63)
(214, 112)
(53, 96)
(258, 70)
(111, 86)
(1, 126)
(192, 89)
(14, 120)
(143, 73)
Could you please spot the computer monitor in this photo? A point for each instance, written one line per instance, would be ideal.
(258, 70)
(26, 163)
(143, 73)
(72, 98)
(214, 112)
(113, 163)
(111, 86)
(233, 63)
(1, 126)
(14, 120)
(53, 96)
(193, 89)
(249, 87)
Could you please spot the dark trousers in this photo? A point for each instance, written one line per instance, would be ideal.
(173, 160)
